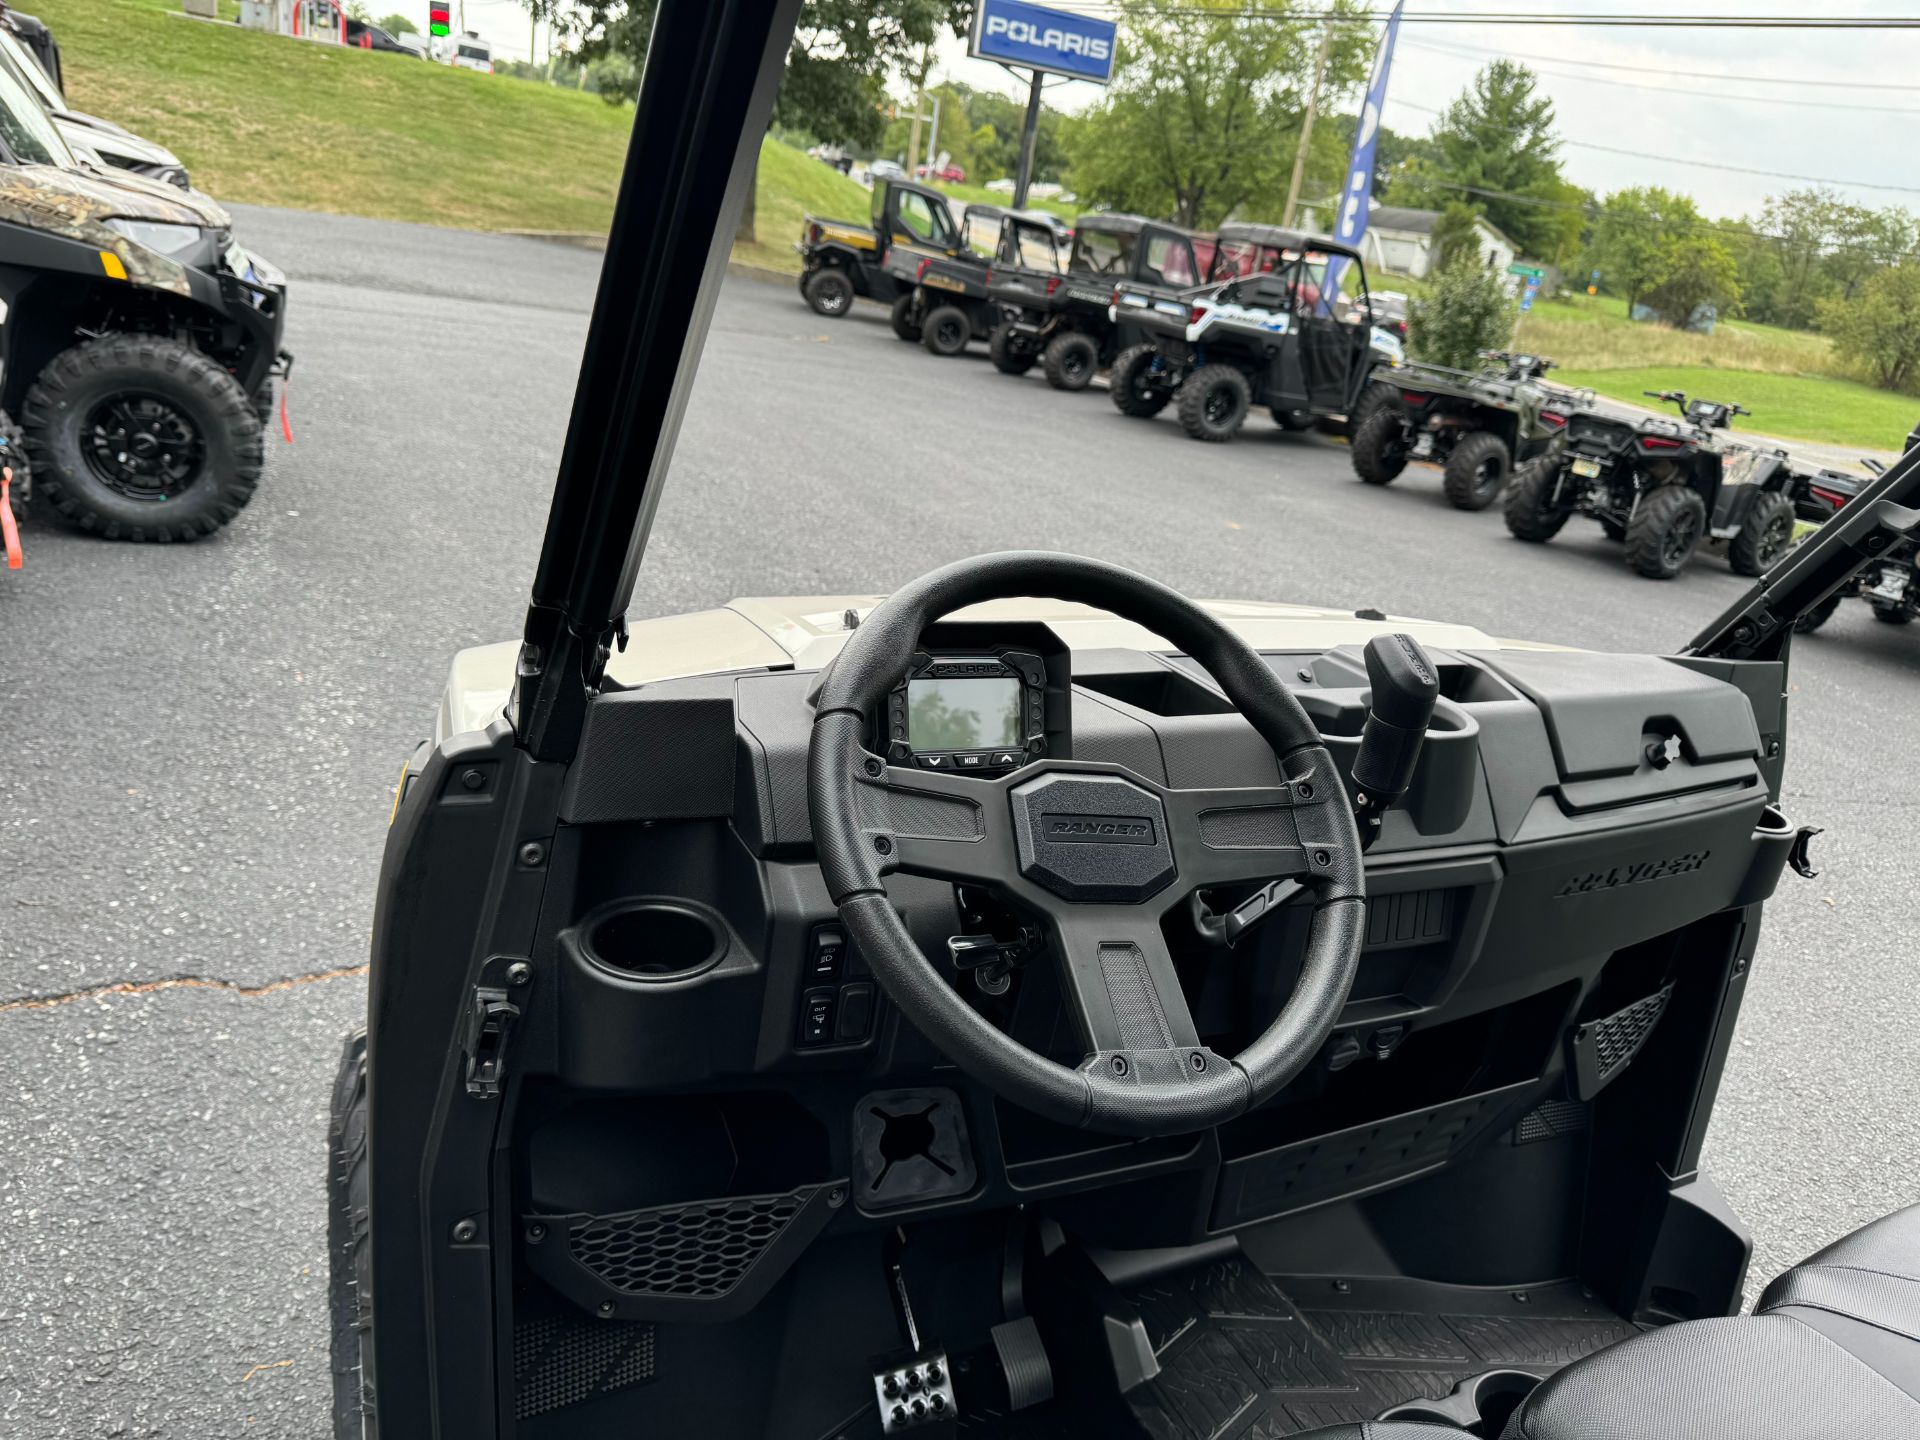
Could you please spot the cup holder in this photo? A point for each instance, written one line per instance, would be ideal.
(1480, 1405)
(654, 939)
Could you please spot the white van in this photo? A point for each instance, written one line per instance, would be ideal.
(470, 52)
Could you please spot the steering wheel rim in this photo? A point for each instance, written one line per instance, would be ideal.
(1146, 1072)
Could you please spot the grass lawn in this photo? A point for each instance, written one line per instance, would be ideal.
(1798, 407)
(792, 185)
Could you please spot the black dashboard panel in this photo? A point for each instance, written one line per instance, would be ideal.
(1559, 799)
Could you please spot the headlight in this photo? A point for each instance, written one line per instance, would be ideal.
(171, 175)
(170, 240)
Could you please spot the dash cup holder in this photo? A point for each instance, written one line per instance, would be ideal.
(644, 939)
(1479, 1405)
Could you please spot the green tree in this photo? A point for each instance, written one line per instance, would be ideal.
(1467, 309)
(1497, 137)
(1205, 108)
(1697, 269)
(836, 69)
(1636, 236)
(398, 24)
(1880, 329)
(1456, 235)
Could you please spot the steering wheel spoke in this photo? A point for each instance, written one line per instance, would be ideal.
(926, 822)
(1268, 832)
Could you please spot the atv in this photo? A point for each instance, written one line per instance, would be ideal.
(1068, 321)
(1286, 339)
(841, 259)
(1476, 425)
(949, 299)
(1890, 582)
(138, 342)
(1662, 487)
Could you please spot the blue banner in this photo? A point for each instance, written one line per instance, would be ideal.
(1036, 38)
(1355, 202)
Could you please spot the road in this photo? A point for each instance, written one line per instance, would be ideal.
(201, 744)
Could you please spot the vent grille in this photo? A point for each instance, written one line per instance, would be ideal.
(560, 1360)
(696, 1251)
(1602, 1048)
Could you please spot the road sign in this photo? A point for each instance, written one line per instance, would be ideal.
(1534, 270)
(1033, 37)
(439, 16)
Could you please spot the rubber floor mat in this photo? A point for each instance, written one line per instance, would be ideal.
(1245, 1357)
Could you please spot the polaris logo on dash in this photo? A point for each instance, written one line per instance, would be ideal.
(1064, 42)
(1098, 829)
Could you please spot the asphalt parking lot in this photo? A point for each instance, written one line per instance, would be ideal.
(201, 743)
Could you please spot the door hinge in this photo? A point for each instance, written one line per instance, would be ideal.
(490, 1020)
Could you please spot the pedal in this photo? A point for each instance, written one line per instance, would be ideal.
(1023, 1362)
(914, 1393)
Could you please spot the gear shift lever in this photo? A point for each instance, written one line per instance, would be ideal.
(1405, 686)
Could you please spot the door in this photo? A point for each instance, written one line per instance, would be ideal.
(1334, 320)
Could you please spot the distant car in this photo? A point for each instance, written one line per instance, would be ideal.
(412, 44)
(372, 37)
(1000, 187)
(947, 174)
(470, 52)
(88, 135)
(886, 170)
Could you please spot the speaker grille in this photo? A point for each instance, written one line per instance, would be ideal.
(698, 1251)
(560, 1360)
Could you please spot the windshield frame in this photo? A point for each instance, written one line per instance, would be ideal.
(23, 105)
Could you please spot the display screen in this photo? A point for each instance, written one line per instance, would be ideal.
(974, 713)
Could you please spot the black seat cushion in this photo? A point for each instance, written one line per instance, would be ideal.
(1382, 1430)
(1831, 1353)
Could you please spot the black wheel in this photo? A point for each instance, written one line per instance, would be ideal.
(13, 455)
(139, 438)
(946, 330)
(1532, 513)
(1665, 531)
(1133, 384)
(1817, 616)
(1765, 535)
(1892, 614)
(1381, 446)
(1371, 399)
(1071, 360)
(349, 1258)
(1477, 471)
(829, 291)
(902, 319)
(1012, 353)
(1214, 403)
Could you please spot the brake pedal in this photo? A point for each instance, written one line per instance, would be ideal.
(1023, 1362)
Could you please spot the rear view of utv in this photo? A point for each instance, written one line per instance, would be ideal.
(1663, 487)
(1068, 322)
(138, 347)
(1477, 426)
(949, 298)
(1298, 339)
(841, 259)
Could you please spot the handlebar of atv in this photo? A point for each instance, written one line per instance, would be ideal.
(1679, 397)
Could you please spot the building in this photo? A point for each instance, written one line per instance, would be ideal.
(1401, 240)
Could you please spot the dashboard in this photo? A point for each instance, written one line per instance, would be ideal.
(1567, 810)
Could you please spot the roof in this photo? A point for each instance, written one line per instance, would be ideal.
(1118, 224)
(1400, 217)
(1282, 239)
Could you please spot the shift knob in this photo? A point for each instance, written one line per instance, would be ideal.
(1405, 687)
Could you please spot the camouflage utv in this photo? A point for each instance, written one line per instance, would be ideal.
(138, 342)
(1477, 425)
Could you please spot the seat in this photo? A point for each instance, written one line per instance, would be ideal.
(1831, 1352)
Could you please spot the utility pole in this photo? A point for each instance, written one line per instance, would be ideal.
(1306, 125)
(1029, 136)
(919, 104)
(933, 137)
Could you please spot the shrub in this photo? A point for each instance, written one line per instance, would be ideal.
(1879, 329)
(1467, 309)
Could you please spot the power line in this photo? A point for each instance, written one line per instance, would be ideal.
(1768, 100)
(1464, 49)
(1698, 164)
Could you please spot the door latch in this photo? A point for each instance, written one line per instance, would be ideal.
(490, 1020)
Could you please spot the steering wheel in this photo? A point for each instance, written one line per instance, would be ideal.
(1100, 852)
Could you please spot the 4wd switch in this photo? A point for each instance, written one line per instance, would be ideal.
(816, 1017)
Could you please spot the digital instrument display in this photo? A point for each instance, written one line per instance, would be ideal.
(970, 713)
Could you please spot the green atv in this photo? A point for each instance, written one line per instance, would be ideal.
(1477, 425)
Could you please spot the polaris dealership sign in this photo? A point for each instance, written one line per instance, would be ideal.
(1036, 38)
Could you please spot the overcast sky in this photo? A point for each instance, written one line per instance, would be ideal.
(1733, 98)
